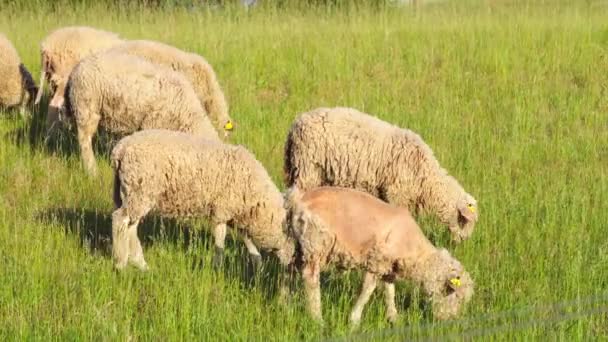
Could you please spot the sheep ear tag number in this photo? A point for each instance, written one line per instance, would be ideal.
(471, 208)
(229, 126)
(456, 282)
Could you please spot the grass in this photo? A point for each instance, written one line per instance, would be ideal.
(510, 95)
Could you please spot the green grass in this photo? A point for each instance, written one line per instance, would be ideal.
(510, 95)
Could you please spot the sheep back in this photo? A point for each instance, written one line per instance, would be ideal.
(344, 147)
(194, 67)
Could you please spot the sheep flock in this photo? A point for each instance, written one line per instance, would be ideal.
(355, 184)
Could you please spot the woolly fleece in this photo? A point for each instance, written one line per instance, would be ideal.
(180, 175)
(124, 94)
(60, 51)
(344, 147)
(196, 69)
(17, 88)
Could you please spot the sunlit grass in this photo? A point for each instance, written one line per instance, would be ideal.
(510, 95)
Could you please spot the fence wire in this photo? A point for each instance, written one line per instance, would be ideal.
(493, 323)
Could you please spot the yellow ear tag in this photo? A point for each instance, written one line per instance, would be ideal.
(472, 208)
(228, 126)
(455, 282)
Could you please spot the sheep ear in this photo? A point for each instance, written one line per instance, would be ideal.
(454, 282)
(229, 125)
(468, 211)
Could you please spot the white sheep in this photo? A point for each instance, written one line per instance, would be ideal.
(180, 175)
(17, 88)
(124, 94)
(347, 148)
(352, 229)
(196, 69)
(60, 51)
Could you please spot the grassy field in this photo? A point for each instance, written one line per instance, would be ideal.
(510, 95)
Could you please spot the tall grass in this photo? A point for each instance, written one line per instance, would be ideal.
(510, 95)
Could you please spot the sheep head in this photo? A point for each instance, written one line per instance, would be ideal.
(464, 218)
(449, 286)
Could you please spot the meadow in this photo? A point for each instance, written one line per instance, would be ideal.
(511, 96)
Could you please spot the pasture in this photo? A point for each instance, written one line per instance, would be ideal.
(510, 95)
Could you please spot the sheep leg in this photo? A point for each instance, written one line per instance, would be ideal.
(256, 258)
(52, 121)
(369, 285)
(287, 279)
(136, 253)
(23, 109)
(219, 235)
(312, 285)
(49, 132)
(389, 300)
(120, 238)
(85, 140)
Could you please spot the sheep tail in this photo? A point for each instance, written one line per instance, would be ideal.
(43, 72)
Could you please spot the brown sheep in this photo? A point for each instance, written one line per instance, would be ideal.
(352, 229)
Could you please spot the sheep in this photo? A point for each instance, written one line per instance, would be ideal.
(196, 69)
(17, 88)
(181, 175)
(60, 51)
(352, 229)
(344, 147)
(125, 94)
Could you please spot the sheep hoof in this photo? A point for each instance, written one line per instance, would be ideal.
(354, 324)
(253, 269)
(218, 258)
(284, 295)
(119, 267)
(392, 321)
(142, 266)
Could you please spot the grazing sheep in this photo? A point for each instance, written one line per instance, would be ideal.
(196, 69)
(181, 175)
(124, 94)
(60, 51)
(350, 228)
(17, 88)
(347, 148)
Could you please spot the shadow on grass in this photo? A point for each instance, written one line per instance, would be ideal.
(94, 230)
(32, 132)
(62, 142)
